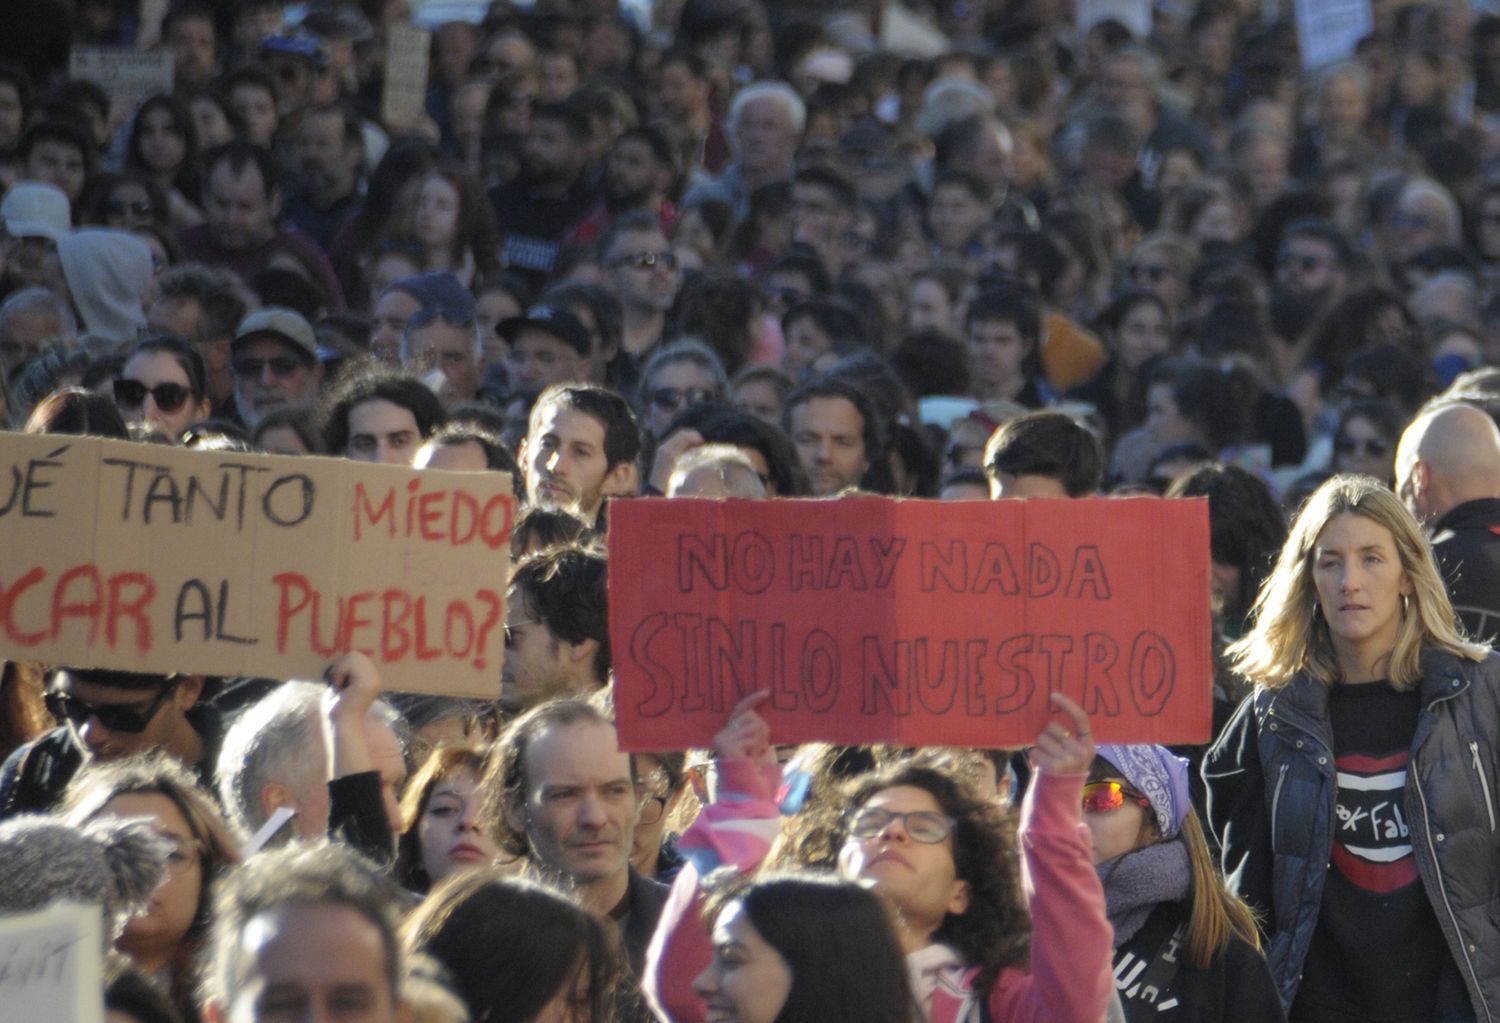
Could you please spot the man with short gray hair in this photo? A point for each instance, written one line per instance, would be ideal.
(32, 320)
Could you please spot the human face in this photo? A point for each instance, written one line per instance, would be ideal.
(328, 162)
(452, 349)
(759, 398)
(260, 384)
(257, 109)
(58, 163)
(747, 981)
(955, 216)
(644, 271)
(240, 213)
(565, 464)
(1151, 270)
(805, 343)
(999, 353)
(26, 335)
(160, 929)
(99, 742)
(212, 125)
(193, 45)
(128, 206)
(10, 114)
(673, 388)
(818, 219)
(1119, 831)
(549, 152)
(1142, 335)
(161, 143)
(929, 307)
(1360, 581)
(764, 139)
(449, 832)
(317, 961)
(383, 432)
(652, 826)
(1361, 447)
(438, 207)
(919, 878)
(1165, 420)
(492, 306)
(580, 810)
(830, 436)
(152, 370)
(535, 668)
(283, 440)
(391, 314)
(1308, 266)
(632, 174)
(539, 359)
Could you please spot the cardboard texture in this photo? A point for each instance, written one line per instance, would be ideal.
(910, 622)
(152, 558)
(130, 76)
(1328, 30)
(403, 103)
(51, 965)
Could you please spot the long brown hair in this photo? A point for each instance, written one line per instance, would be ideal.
(1217, 913)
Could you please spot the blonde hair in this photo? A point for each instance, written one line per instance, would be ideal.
(1217, 913)
(1289, 634)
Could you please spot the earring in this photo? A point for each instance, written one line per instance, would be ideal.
(1405, 603)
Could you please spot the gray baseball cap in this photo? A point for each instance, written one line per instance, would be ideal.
(285, 324)
(35, 209)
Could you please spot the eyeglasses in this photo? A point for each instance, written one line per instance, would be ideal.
(282, 366)
(116, 718)
(1108, 796)
(1153, 272)
(119, 207)
(673, 398)
(647, 260)
(169, 397)
(923, 826)
(510, 632)
(1373, 446)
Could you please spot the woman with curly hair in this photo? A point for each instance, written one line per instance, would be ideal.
(442, 833)
(946, 862)
(453, 223)
(165, 939)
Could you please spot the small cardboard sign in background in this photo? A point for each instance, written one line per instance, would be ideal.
(404, 101)
(910, 622)
(1328, 30)
(153, 558)
(128, 75)
(51, 965)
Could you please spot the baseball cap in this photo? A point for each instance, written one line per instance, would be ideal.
(560, 323)
(35, 209)
(438, 290)
(291, 327)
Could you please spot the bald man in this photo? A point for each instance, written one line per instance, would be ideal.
(1448, 474)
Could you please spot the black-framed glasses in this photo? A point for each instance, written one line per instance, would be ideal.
(282, 366)
(169, 397)
(135, 207)
(673, 398)
(923, 826)
(647, 260)
(1373, 446)
(116, 718)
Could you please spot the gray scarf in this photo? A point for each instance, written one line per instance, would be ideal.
(1138, 881)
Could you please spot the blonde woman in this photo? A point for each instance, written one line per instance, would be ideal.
(1353, 793)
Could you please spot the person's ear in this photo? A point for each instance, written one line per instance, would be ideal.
(624, 480)
(273, 797)
(959, 898)
(582, 651)
(213, 1012)
(515, 816)
(188, 690)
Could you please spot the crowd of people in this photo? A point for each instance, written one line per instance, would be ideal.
(717, 249)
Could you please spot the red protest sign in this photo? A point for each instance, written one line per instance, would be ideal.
(910, 622)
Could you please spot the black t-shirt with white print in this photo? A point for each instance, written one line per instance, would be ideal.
(1377, 955)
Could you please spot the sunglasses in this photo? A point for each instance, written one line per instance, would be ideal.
(673, 398)
(923, 826)
(115, 718)
(169, 398)
(1108, 796)
(647, 260)
(282, 366)
(137, 207)
(1374, 446)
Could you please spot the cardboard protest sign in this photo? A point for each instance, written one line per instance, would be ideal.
(1328, 30)
(404, 100)
(910, 622)
(129, 76)
(154, 558)
(51, 965)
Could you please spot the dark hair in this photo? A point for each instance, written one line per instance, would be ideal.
(931, 362)
(1246, 526)
(629, 223)
(541, 526)
(1113, 315)
(378, 383)
(219, 295)
(1050, 444)
(1323, 230)
(834, 936)
(186, 178)
(240, 155)
(496, 455)
(977, 189)
(718, 423)
(875, 439)
(1203, 396)
(404, 161)
(128, 992)
(101, 188)
(566, 588)
(18, 79)
(300, 419)
(622, 434)
(569, 113)
(994, 932)
(717, 306)
(833, 181)
(1013, 304)
(482, 919)
(185, 355)
(603, 305)
(833, 318)
(443, 763)
(77, 412)
(64, 132)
